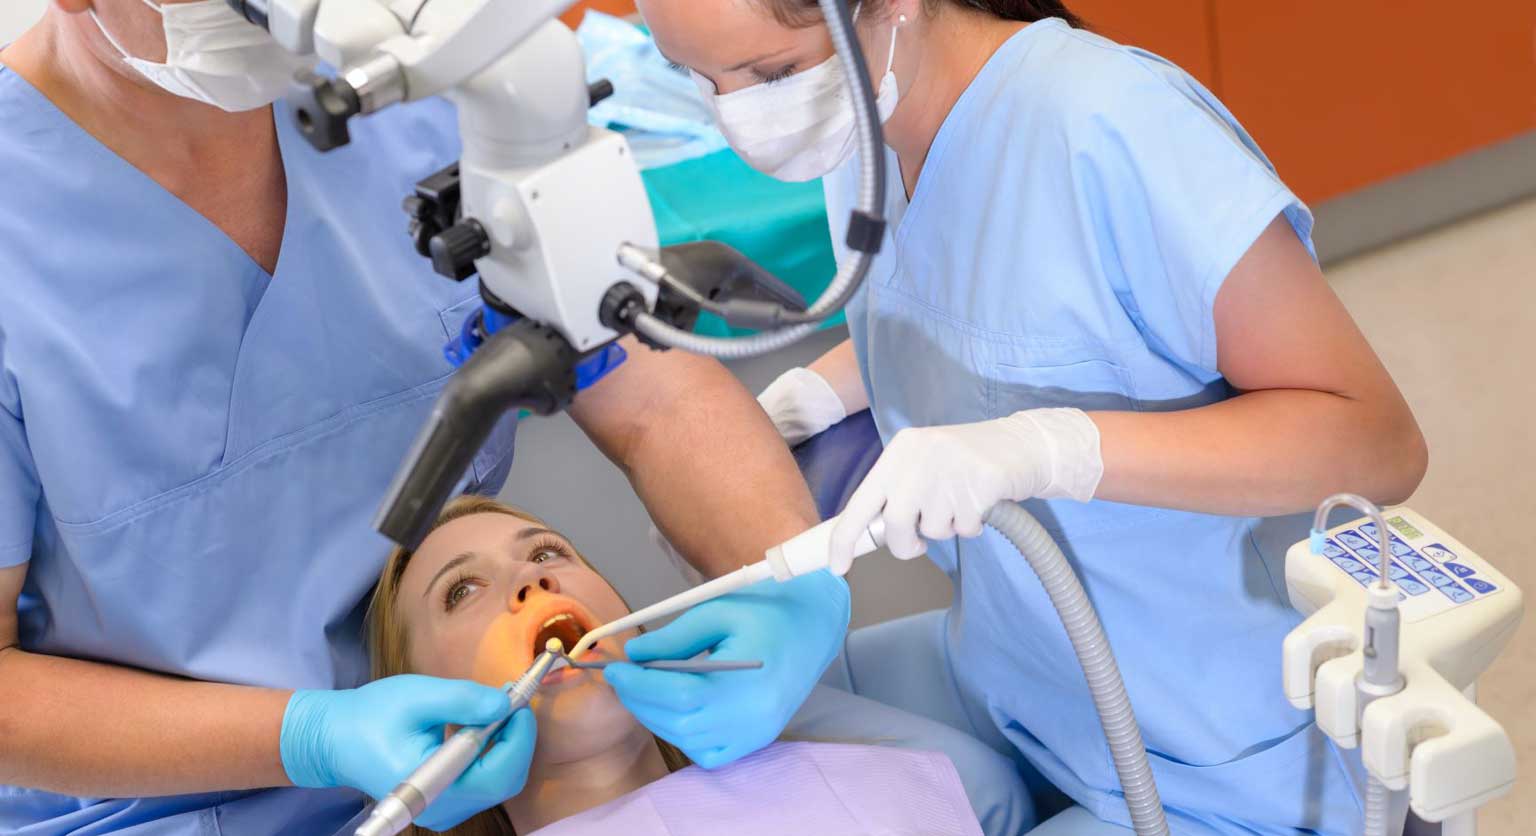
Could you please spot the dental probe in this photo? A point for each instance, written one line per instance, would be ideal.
(675, 665)
(395, 811)
(798, 556)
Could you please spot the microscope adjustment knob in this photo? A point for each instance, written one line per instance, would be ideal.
(455, 249)
(321, 108)
(598, 90)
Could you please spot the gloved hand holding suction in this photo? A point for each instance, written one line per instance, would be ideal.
(939, 482)
(796, 628)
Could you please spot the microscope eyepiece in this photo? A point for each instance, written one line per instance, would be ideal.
(255, 11)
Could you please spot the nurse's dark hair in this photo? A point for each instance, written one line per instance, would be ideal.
(807, 12)
(389, 648)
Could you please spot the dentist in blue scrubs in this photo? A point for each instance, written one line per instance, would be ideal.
(1096, 296)
(215, 347)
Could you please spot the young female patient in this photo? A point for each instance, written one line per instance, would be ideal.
(492, 584)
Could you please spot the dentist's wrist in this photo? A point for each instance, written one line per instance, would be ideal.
(801, 404)
(1066, 444)
(302, 740)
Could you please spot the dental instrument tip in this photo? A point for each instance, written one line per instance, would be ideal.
(555, 646)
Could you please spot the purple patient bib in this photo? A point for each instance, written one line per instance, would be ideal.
(805, 789)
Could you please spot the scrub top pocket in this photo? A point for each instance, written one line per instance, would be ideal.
(1088, 385)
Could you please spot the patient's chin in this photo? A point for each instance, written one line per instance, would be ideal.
(579, 718)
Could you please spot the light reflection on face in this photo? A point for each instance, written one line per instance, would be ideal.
(733, 43)
(484, 591)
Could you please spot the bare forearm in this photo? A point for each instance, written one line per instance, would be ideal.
(83, 728)
(840, 368)
(732, 494)
(1262, 453)
(703, 457)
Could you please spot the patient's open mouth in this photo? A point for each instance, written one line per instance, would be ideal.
(566, 627)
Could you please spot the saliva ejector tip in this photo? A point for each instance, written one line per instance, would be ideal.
(554, 645)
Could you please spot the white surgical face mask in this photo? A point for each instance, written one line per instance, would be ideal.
(214, 56)
(800, 128)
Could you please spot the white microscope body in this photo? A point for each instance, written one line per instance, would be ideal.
(547, 200)
(1457, 611)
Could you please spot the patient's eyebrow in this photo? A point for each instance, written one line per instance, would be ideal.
(454, 563)
(532, 532)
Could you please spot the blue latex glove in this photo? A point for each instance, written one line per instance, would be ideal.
(371, 738)
(796, 628)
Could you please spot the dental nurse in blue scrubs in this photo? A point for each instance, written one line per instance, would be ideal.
(1097, 297)
(215, 348)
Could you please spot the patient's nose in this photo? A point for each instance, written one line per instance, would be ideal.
(527, 592)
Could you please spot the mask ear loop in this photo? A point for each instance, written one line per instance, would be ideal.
(890, 55)
(126, 55)
(122, 53)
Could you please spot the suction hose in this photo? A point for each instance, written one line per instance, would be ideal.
(1377, 804)
(1098, 662)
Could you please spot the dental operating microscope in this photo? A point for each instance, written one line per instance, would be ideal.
(548, 212)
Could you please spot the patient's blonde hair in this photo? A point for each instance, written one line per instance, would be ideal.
(389, 647)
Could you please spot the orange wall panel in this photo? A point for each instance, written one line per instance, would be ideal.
(572, 16)
(1179, 30)
(1345, 94)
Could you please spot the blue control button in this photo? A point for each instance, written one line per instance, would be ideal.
(1331, 549)
(1370, 531)
(1353, 540)
(1364, 578)
(1348, 564)
(1440, 553)
(1439, 578)
(1411, 586)
(1459, 570)
(1481, 585)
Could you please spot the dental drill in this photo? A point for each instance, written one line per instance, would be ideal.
(1383, 626)
(396, 811)
(811, 552)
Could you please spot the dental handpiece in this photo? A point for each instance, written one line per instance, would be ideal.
(411, 797)
(802, 554)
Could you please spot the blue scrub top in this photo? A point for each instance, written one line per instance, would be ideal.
(1076, 215)
(191, 450)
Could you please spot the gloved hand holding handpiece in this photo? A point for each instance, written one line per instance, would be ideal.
(370, 738)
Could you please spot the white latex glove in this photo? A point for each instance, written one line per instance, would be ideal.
(939, 482)
(802, 404)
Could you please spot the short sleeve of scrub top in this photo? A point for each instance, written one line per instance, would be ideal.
(1177, 193)
(18, 479)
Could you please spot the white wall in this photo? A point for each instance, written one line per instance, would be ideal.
(16, 15)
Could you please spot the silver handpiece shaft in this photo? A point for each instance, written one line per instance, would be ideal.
(397, 810)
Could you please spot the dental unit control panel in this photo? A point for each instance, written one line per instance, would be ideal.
(1457, 613)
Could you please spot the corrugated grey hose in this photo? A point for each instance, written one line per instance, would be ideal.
(1377, 806)
(1098, 661)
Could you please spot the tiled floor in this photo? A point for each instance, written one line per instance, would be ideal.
(1453, 315)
